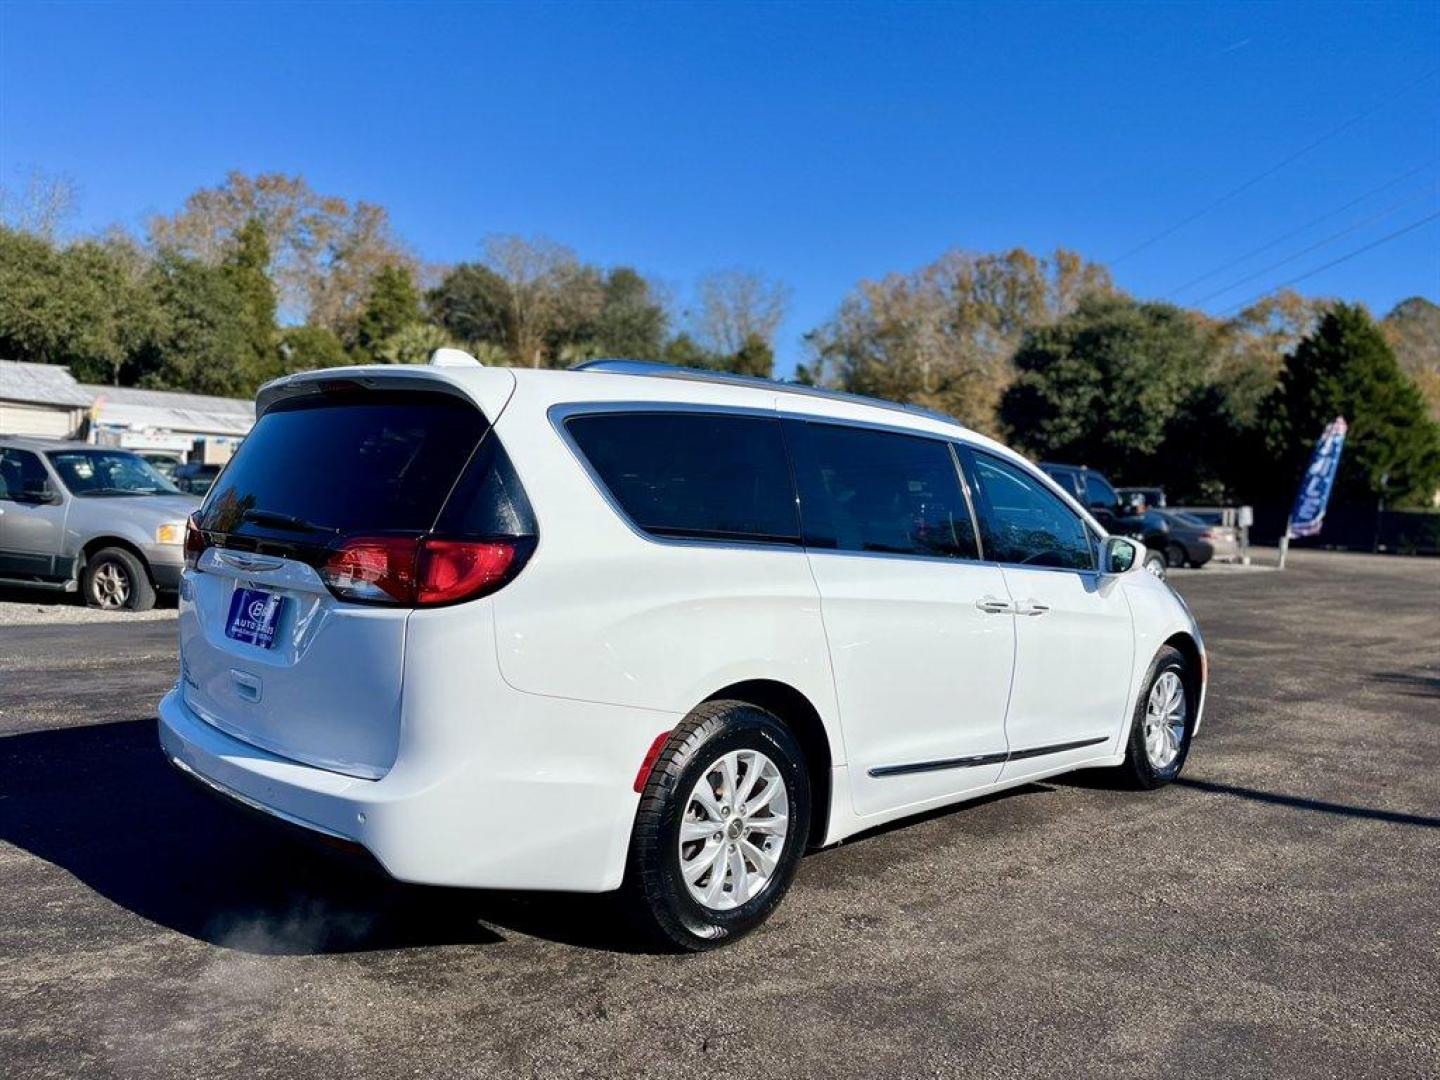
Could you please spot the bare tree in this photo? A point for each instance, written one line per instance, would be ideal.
(942, 336)
(547, 289)
(42, 206)
(324, 250)
(738, 305)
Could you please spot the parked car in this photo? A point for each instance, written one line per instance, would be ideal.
(1223, 540)
(635, 627)
(1140, 499)
(164, 464)
(1184, 540)
(195, 479)
(102, 520)
(1107, 505)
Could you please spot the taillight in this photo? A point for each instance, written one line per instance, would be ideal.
(374, 568)
(195, 542)
(450, 570)
(422, 573)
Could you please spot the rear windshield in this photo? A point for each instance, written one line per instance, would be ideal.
(377, 463)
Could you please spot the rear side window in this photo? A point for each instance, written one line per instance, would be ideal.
(693, 475)
(1099, 494)
(328, 466)
(1024, 522)
(867, 490)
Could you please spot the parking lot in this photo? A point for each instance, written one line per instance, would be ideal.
(1274, 914)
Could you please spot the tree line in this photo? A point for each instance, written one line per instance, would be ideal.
(263, 275)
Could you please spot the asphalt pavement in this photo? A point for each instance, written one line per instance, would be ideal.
(1274, 914)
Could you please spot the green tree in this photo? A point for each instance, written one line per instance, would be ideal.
(203, 335)
(244, 266)
(470, 304)
(393, 304)
(631, 322)
(305, 348)
(412, 344)
(1102, 386)
(1346, 368)
(87, 306)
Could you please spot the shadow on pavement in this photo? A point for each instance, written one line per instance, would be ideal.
(1302, 803)
(102, 803)
(1409, 683)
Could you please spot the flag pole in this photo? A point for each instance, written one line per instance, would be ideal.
(1284, 545)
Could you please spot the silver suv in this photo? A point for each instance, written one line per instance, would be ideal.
(93, 517)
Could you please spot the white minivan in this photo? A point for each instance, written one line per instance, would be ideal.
(644, 628)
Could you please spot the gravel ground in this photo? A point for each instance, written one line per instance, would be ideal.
(40, 607)
(1272, 915)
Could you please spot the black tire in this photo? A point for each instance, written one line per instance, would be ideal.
(1155, 563)
(117, 580)
(1175, 555)
(1138, 770)
(655, 894)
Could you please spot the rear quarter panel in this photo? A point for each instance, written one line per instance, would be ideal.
(604, 614)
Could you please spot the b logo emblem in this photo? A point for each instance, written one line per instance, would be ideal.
(257, 609)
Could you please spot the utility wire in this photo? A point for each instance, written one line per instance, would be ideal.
(1335, 262)
(1175, 292)
(1272, 170)
(1313, 247)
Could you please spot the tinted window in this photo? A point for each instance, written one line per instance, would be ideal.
(376, 462)
(696, 475)
(865, 490)
(1099, 493)
(1066, 478)
(18, 468)
(1025, 523)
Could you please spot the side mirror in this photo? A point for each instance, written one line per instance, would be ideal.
(1120, 555)
(38, 491)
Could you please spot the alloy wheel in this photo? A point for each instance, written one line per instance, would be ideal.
(111, 585)
(733, 830)
(1165, 720)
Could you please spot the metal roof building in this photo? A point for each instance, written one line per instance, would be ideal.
(40, 399)
(43, 399)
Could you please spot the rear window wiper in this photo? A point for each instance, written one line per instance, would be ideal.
(285, 521)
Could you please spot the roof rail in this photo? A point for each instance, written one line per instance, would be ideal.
(656, 369)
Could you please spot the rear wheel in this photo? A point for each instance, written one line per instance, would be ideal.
(117, 580)
(721, 827)
(1164, 717)
(1175, 555)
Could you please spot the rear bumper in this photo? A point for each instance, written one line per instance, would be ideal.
(550, 818)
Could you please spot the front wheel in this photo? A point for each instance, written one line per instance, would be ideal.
(721, 827)
(115, 579)
(1164, 718)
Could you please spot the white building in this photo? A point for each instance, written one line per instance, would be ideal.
(43, 399)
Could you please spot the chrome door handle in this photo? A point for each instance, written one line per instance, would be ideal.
(993, 605)
(1034, 608)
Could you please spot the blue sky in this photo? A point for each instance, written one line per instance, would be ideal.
(820, 144)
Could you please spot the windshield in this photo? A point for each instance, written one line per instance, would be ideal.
(97, 473)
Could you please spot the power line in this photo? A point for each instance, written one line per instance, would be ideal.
(1313, 247)
(1175, 292)
(1336, 262)
(1272, 170)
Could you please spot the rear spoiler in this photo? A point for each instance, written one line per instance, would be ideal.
(489, 388)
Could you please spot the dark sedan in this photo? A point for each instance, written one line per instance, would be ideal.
(1184, 540)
